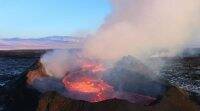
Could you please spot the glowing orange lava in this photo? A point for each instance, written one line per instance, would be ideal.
(95, 90)
(91, 87)
(84, 85)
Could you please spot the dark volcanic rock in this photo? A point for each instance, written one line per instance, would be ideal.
(35, 74)
(18, 96)
(176, 99)
(52, 101)
(22, 99)
(22, 53)
(131, 75)
(173, 100)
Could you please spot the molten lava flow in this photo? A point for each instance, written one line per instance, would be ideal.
(93, 89)
(87, 87)
(84, 85)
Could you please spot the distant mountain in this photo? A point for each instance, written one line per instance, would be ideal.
(50, 42)
(48, 38)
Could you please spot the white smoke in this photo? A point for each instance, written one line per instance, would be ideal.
(56, 63)
(137, 27)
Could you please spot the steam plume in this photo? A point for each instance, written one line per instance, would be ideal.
(136, 27)
(57, 62)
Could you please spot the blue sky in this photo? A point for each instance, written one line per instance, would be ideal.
(38, 18)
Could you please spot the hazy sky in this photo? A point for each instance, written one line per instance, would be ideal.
(38, 18)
